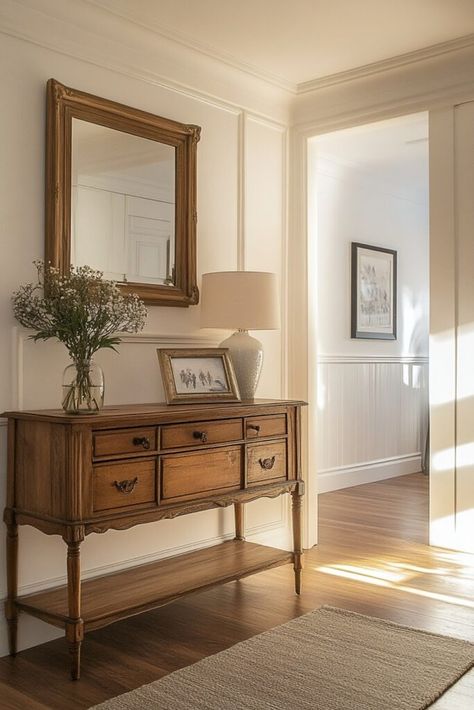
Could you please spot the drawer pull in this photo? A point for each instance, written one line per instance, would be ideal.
(201, 435)
(267, 464)
(142, 441)
(126, 486)
(254, 427)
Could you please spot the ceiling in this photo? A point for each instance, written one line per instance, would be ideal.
(392, 153)
(298, 41)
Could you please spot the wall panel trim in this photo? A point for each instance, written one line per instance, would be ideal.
(19, 335)
(363, 359)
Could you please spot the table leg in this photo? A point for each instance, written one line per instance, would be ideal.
(297, 498)
(74, 625)
(239, 521)
(11, 611)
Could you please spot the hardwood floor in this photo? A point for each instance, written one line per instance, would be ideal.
(372, 558)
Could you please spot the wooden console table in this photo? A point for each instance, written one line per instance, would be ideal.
(128, 465)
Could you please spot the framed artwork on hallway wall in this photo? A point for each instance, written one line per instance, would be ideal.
(373, 292)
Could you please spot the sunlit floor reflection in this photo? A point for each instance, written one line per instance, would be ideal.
(453, 580)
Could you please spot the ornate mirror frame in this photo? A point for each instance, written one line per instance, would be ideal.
(64, 104)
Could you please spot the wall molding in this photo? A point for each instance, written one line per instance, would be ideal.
(20, 335)
(401, 60)
(80, 40)
(291, 87)
(181, 339)
(202, 48)
(333, 479)
(372, 359)
(111, 51)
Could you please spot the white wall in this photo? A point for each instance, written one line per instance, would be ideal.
(372, 394)
(241, 211)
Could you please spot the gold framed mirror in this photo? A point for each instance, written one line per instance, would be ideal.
(121, 195)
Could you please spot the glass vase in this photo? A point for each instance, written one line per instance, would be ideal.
(83, 388)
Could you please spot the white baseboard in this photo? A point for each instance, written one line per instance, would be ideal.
(333, 479)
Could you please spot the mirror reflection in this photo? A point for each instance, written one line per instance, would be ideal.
(123, 204)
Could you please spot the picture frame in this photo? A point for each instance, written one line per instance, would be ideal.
(373, 292)
(198, 375)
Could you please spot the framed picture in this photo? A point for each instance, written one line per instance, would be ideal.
(373, 292)
(198, 375)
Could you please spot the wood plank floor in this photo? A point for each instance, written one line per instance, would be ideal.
(372, 558)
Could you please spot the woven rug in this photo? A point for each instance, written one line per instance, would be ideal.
(330, 659)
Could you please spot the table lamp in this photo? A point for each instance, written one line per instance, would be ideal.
(241, 300)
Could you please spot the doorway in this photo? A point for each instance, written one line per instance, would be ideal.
(370, 185)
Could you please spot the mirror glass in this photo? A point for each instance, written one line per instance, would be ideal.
(123, 204)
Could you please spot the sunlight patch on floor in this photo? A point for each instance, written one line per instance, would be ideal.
(402, 580)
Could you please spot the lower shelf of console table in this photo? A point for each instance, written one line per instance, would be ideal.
(135, 590)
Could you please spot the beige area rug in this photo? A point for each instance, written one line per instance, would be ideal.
(330, 659)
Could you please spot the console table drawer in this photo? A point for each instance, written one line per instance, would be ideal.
(216, 432)
(121, 485)
(257, 427)
(124, 441)
(266, 462)
(198, 475)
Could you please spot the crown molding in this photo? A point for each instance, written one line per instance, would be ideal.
(84, 30)
(221, 57)
(202, 48)
(401, 60)
(294, 88)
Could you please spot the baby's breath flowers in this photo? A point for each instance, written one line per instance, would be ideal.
(80, 309)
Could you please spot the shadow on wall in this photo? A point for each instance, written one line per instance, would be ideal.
(414, 332)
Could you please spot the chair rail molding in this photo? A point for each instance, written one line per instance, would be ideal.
(324, 359)
(21, 335)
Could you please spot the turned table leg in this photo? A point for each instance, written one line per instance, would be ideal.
(297, 498)
(11, 611)
(239, 521)
(74, 625)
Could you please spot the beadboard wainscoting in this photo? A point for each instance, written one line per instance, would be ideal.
(372, 421)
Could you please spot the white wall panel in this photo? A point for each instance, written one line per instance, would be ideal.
(264, 235)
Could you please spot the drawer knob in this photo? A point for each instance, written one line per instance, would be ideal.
(126, 486)
(142, 441)
(253, 427)
(201, 435)
(267, 464)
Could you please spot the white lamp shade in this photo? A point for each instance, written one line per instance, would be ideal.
(244, 300)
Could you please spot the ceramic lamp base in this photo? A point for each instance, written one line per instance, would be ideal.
(247, 357)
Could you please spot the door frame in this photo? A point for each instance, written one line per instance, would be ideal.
(302, 351)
